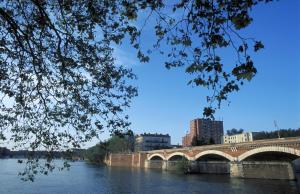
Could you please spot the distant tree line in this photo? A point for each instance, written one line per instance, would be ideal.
(69, 155)
(3, 152)
(282, 133)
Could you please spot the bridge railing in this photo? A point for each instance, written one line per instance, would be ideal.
(290, 140)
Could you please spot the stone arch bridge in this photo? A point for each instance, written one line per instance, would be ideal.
(258, 159)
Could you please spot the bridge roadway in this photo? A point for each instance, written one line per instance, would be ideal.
(258, 159)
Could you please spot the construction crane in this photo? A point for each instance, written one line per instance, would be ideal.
(276, 126)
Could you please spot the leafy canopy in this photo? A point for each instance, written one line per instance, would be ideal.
(234, 131)
(59, 85)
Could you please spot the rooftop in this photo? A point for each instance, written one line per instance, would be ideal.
(154, 134)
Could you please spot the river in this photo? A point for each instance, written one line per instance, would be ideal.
(84, 178)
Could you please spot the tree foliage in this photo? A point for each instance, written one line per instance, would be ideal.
(195, 32)
(183, 166)
(59, 85)
(118, 144)
(115, 144)
(234, 131)
(97, 153)
(282, 133)
(58, 74)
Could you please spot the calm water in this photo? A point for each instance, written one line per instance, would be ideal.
(87, 178)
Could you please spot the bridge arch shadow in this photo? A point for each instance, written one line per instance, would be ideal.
(156, 157)
(285, 151)
(212, 162)
(273, 162)
(155, 161)
(214, 153)
(177, 155)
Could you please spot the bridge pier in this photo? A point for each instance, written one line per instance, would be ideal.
(213, 167)
(236, 169)
(154, 164)
(262, 170)
(165, 165)
(208, 167)
(171, 165)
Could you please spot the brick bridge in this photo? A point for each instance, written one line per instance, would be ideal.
(274, 158)
(232, 152)
(259, 159)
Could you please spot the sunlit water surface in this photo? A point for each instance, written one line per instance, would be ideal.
(84, 178)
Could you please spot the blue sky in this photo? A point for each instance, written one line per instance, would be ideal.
(166, 103)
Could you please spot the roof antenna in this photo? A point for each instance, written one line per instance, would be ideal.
(276, 126)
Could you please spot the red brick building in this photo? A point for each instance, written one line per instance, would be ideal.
(205, 130)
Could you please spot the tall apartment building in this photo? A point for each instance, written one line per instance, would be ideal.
(204, 130)
(148, 141)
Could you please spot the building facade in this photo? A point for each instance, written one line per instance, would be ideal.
(204, 131)
(148, 141)
(238, 138)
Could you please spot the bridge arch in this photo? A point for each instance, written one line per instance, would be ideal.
(179, 154)
(158, 155)
(288, 150)
(216, 152)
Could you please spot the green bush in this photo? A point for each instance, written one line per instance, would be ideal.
(183, 166)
